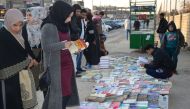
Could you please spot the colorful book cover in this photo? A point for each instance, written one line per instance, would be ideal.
(78, 45)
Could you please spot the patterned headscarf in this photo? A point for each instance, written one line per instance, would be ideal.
(38, 13)
(33, 29)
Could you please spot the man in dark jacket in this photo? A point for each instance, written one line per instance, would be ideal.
(75, 25)
(162, 28)
(82, 25)
(137, 25)
(162, 66)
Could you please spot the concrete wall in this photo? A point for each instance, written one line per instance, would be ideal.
(183, 22)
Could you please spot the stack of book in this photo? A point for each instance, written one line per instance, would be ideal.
(104, 62)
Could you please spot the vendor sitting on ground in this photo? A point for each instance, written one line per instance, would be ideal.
(162, 66)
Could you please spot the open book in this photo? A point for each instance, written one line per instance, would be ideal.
(78, 45)
(142, 60)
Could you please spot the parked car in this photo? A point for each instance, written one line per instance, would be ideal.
(120, 22)
(106, 28)
(112, 24)
(109, 28)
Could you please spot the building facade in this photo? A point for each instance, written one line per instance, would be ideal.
(25, 3)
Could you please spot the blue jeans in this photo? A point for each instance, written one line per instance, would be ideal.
(127, 33)
(161, 36)
(79, 61)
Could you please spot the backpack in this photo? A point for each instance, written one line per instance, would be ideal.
(181, 39)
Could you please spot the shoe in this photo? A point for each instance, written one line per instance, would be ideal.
(78, 74)
(89, 66)
(81, 70)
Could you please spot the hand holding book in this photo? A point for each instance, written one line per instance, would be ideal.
(76, 46)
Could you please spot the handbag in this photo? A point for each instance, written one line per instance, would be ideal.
(45, 78)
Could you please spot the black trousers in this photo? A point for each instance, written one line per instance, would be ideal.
(159, 73)
(13, 93)
(65, 100)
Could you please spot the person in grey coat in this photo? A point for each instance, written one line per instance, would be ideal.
(55, 41)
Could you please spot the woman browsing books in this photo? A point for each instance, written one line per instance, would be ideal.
(55, 38)
(92, 52)
(15, 57)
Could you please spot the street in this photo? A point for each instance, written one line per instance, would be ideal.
(117, 45)
(49, 43)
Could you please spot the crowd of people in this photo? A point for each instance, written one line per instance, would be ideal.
(40, 45)
(165, 58)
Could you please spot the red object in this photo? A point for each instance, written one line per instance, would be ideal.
(67, 67)
(142, 17)
(115, 105)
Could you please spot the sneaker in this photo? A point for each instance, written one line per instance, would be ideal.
(88, 66)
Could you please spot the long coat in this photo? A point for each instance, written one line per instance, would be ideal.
(11, 54)
(52, 47)
(92, 52)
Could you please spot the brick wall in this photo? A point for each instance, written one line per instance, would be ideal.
(183, 21)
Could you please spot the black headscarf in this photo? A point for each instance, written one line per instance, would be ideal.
(172, 23)
(76, 7)
(58, 14)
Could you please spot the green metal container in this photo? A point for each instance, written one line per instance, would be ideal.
(139, 39)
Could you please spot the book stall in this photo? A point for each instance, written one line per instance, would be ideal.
(125, 85)
(145, 13)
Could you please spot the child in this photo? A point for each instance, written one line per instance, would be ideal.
(173, 41)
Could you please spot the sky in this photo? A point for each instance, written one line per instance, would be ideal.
(120, 3)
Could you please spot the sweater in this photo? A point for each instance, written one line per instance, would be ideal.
(52, 47)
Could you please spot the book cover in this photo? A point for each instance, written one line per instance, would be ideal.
(78, 45)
